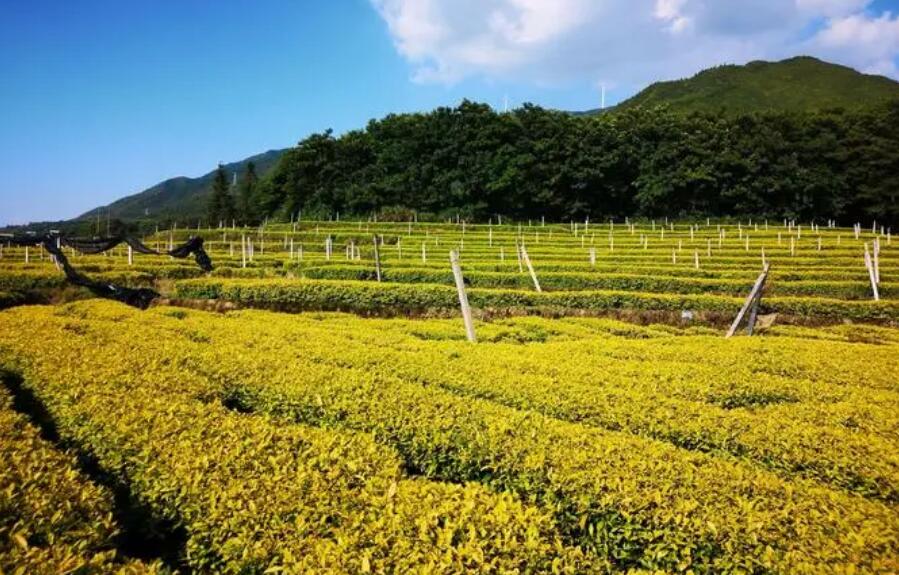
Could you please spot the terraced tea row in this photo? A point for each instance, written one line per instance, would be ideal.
(589, 268)
(630, 499)
(249, 495)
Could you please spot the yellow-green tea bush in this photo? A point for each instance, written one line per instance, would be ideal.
(251, 495)
(53, 519)
(634, 501)
(371, 297)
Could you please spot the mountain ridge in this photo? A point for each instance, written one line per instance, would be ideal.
(180, 195)
(762, 85)
(798, 84)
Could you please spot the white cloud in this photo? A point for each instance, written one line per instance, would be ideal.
(869, 43)
(627, 42)
(671, 11)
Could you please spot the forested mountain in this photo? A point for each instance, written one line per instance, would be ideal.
(799, 84)
(477, 163)
(799, 138)
(179, 197)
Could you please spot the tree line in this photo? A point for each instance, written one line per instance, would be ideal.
(475, 163)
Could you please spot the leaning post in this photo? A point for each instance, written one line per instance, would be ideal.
(463, 296)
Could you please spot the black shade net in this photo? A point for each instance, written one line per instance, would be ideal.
(140, 297)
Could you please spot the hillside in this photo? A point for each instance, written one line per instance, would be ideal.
(797, 84)
(419, 180)
(180, 197)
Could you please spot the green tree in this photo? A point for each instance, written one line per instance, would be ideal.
(248, 202)
(221, 203)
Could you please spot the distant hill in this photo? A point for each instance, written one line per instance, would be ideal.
(797, 84)
(180, 198)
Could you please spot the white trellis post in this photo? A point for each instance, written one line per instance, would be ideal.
(527, 261)
(463, 297)
(377, 258)
(871, 274)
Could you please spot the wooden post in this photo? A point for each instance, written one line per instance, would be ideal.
(130, 256)
(696, 259)
(424, 253)
(377, 258)
(27, 255)
(871, 275)
(518, 253)
(750, 299)
(463, 297)
(243, 251)
(593, 257)
(527, 261)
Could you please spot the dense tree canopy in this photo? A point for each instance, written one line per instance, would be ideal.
(476, 163)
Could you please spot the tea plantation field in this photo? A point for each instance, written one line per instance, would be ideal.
(594, 427)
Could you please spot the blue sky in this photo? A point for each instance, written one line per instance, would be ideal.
(104, 98)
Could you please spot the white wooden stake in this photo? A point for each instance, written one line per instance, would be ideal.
(377, 258)
(527, 261)
(871, 275)
(756, 288)
(463, 297)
